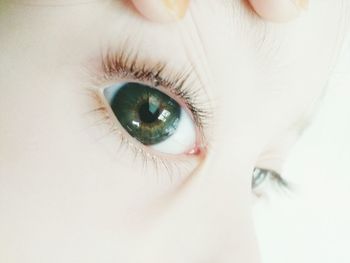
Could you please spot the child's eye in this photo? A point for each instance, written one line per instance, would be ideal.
(263, 178)
(152, 117)
(159, 114)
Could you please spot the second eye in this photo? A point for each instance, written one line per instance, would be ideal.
(152, 117)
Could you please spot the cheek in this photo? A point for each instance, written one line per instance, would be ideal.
(70, 186)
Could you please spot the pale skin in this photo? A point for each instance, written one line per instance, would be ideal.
(67, 194)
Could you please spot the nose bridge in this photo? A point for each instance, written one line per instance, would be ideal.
(210, 220)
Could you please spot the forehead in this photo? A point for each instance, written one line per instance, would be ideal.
(239, 58)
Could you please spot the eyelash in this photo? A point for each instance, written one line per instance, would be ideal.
(125, 66)
(261, 176)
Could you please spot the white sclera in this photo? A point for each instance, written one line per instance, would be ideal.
(110, 92)
(183, 139)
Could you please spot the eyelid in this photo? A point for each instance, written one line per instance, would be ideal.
(263, 178)
(123, 66)
(163, 168)
(260, 174)
(184, 86)
(127, 66)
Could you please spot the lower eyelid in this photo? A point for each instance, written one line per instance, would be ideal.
(172, 169)
(123, 66)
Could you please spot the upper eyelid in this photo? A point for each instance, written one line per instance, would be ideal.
(127, 65)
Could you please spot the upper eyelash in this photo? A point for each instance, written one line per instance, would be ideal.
(261, 174)
(127, 65)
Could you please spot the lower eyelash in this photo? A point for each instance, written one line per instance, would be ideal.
(176, 168)
(124, 65)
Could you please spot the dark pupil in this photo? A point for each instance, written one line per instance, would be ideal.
(145, 113)
(148, 112)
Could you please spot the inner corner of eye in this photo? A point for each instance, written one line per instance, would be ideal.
(110, 91)
(152, 117)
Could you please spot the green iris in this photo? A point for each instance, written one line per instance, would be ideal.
(146, 114)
